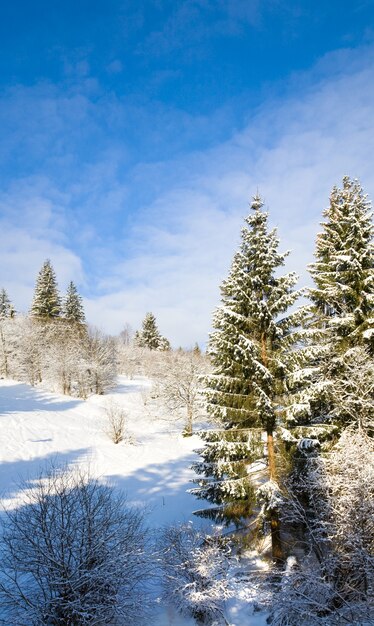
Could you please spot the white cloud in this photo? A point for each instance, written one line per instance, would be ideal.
(21, 257)
(294, 151)
(177, 249)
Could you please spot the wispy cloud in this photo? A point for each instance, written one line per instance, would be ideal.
(159, 234)
(293, 151)
(193, 23)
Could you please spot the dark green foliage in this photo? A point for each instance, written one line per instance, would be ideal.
(6, 307)
(251, 352)
(343, 272)
(226, 457)
(251, 344)
(73, 307)
(340, 319)
(149, 336)
(46, 302)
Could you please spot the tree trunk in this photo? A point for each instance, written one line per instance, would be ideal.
(188, 427)
(271, 455)
(276, 543)
(5, 356)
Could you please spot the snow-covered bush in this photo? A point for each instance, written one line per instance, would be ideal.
(195, 567)
(333, 503)
(303, 597)
(71, 554)
(66, 356)
(115, 422)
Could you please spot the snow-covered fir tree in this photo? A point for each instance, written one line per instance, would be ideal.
(6, 307)
(149, 336)
(164, 344)
(46, 302)
(226, 457)
(341, 314)
(343, 273)
(73, 306)
(251, 355)
(333, 384)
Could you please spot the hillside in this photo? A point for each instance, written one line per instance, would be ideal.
(152, 466)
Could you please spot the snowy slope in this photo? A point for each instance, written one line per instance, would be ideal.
(37, 427)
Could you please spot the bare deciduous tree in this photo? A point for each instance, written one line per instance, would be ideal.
(72, 554)
(99, 363)
(7, 337)
(63, 353)
(126, 335)
(179, 384)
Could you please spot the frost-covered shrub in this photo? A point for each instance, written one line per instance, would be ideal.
(72, 554)
(195, 566)
(333, 503)
(303, 597)
(116, 422)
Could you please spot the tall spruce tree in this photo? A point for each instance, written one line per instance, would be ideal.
(6, 307)
(149, 336)
(73, 306)
(340, 317)
(46, 302)
(343, 273)
(251, 354)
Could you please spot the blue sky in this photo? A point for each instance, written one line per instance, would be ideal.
(133, 136)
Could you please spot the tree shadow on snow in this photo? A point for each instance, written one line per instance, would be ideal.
(162, 489)
(18, 475)
(24, 398)
(124, 388)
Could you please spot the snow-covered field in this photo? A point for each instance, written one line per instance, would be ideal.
(152, 467)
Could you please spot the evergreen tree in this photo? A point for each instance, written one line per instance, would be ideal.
(343, 272)
(138, 339)
(251, 355)
(164, 344)
(226, 457)
(196, 349)
(6, 307)
(149, 336)
(73, 306)
(340, 317)
(46, 302)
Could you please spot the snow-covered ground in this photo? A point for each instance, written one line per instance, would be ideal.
(37, 428)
